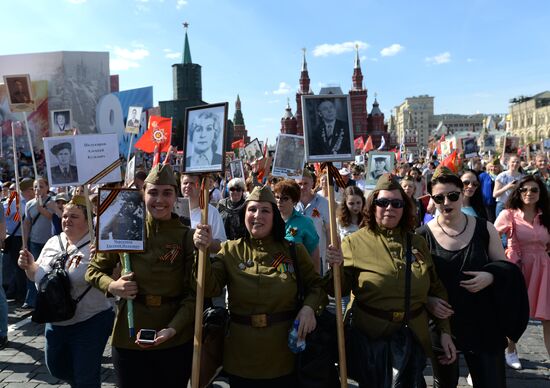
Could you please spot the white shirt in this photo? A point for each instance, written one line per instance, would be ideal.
(214, 220)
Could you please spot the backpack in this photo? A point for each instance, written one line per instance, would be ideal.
(54, 302)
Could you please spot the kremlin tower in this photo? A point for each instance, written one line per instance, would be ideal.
(239, 129)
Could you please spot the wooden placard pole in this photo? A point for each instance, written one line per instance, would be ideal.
(17, 188)
(30, 144)
(129, 149)
(89, 212)
(127, 268)
(337, 282)
(203, 256)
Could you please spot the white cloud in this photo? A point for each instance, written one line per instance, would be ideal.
(392, 50)
(180, 4)
(171, 54)
(124, 59)
(439, 58)
(76, 1)
(284, 88)
(326, 49)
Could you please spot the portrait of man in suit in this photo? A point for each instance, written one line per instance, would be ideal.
(61, 121)
(133, 121)
(19, 92)
(64, 172)
(203, 135)
(379, 167)
(331, 135)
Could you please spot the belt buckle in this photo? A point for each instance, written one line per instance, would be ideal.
(397, 316)
(258, 320)
(153, 300)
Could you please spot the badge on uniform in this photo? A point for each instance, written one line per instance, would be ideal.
(418, 256)
(174, 251)
(283, 265)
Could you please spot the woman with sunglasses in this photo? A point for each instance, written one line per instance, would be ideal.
(374, 269)
(299, 228)
(526, 223)
(461, 247)
(472, 203)
(230, 208)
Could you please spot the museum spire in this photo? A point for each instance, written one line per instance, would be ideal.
(186, 58)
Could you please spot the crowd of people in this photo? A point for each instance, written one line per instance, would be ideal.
(435, 263)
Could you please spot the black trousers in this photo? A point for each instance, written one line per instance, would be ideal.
(17, 284)
(153, 368)
(487, 370)
(288, 381)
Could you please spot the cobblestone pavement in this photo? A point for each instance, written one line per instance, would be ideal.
(22, 362)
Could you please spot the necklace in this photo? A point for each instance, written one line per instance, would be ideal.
(452, 235)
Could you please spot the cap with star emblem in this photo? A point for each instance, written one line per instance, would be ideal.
(387, 182)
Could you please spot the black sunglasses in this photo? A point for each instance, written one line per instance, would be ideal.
(384, 202)
(533, 190)
(235, 189)
(453, 196)
(468, 183)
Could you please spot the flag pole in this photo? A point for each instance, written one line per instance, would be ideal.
(17, 188)
(199, 304)
(129, 302)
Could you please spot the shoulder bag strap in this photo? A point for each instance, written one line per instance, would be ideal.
(39, 214)
(408, 259)
(64, 261)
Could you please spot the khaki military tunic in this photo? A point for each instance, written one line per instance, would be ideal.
(255, 287)
(374, 269)
(165, 270)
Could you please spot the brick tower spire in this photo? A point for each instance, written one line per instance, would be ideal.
(304, 90)
(358, 99)
(288, 121)
(239, 130)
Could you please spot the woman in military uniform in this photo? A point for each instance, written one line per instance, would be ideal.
(160, 286)
(259, 272)
(374, 268)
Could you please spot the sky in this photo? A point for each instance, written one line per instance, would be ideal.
(471, 55)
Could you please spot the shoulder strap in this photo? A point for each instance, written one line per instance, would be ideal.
(408, 260)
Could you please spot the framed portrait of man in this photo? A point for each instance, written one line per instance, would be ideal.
(328, 133)
(61, 161)
(379, 163)
(134, 119)
(61, 121)
(236, 169)
(20, 95)
(120, 221)
(204, 139)
(469, 147)
(253, 151)
(289, 157)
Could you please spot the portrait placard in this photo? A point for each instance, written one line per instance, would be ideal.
(204, 139)
(289, 157)
(253, 151)
(74, 160)
(512, 145)
(360, 160)
(61, 123)
(134, 119)
(130, 172)
(546, 144)
(489, 143)
(328, 133)
(236, 169)
(469, 147)
(120, 221)
(379, 163)
(20, 96)
(181, 207)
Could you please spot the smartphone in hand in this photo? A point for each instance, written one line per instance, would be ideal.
(146, 336)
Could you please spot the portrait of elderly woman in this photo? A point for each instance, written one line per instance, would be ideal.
(205, 138)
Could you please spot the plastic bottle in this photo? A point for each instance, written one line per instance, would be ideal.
(295, 344)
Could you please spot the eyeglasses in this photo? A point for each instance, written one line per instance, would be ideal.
(533, 190)
(453, 196)
(468, 183)
(384, 202)
(284, 198)
(235, 189)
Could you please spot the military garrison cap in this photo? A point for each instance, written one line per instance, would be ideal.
(387, 182)
(78, 200)
(162, 174)
(442, 170)
(61, 146)
(261, 194)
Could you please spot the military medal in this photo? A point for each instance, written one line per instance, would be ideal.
(283, 276)
(242, 267)
(249, 263)
(283, 265)
(419, 258)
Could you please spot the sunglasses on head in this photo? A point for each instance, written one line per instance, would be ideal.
(468, 183)
(235, 189)
(453, 196)
(384, 202)
(533, 190)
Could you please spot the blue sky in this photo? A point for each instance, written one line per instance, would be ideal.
(473, 56)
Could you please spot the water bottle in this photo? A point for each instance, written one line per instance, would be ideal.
(295, 344)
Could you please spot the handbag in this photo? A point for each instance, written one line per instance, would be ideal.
(396, 361)
(215, 325)
(54, 302)
(316, 365)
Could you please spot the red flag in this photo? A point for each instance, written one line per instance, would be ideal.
(237, 144)
(359, 143)
(368, 145)
(159, 133)
(265, 147)
(451, 162)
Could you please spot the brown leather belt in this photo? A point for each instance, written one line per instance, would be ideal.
(392, 316)
(156, 300)
(262, 320)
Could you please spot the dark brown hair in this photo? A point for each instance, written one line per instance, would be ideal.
(342, 213)
(288, 187)
(407, 221)
(515, 202)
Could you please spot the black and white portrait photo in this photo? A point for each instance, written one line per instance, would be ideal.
(379, 163)
(253, 151)
(327, 128)
(62, 167)
(19, 92)
(289, 157)
(134, 119)
(120, 222)
(236, 169)
(61, 121)
(205, 137)
(469, 147)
